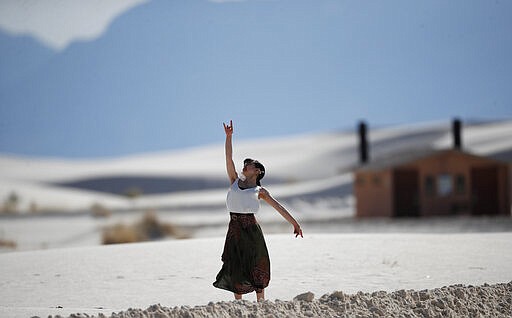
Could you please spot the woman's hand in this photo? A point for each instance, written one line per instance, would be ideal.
(228, 129)
(297, 230)
(230, 165)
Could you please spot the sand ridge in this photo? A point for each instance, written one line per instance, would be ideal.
(448, 301)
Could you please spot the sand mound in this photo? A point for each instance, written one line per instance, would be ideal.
(453, 301)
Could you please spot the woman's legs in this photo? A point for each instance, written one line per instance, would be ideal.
(261, 295)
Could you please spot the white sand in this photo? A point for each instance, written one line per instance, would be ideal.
(110, 279)
(77, 276)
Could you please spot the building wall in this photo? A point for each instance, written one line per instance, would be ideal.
(437, 200)
(450, 166)
(447, 192)
(505, 175)
(373, 191)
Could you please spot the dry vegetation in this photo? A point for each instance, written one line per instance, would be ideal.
(10, 204)
(8, 244)
(147, 229)
(99, 211)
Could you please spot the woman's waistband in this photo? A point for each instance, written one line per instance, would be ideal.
(235, 215)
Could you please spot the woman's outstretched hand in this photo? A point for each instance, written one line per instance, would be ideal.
(297, 231)
(228, 129)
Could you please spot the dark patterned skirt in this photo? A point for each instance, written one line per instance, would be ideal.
(246, 265)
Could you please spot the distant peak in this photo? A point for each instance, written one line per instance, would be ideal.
(59, 23)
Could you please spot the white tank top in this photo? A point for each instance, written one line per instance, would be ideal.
(243, 200)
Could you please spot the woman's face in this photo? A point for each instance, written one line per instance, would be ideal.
(250, 170)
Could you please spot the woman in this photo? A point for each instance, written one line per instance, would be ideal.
(246, 265)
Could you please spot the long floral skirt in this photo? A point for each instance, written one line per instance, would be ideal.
(246, 264)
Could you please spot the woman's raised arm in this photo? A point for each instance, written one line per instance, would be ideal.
(230, 165)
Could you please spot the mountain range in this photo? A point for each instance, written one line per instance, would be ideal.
(166, 74)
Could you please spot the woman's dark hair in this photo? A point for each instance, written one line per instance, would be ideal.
(257, 165)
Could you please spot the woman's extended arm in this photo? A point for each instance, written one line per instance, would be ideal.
(265, 195)
(230, 165)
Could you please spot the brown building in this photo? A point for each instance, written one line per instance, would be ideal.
(440, 183)
(435, 182)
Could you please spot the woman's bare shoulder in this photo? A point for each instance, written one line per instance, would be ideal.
(263, 192)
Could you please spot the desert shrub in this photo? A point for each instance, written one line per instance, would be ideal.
(11, 203)
(120, 233)
(33, 208)
(147, 229)
(150, 226)
(98, 210)
(8, 244)
(133, 192)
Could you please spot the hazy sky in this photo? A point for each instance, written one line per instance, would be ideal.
(276, 67)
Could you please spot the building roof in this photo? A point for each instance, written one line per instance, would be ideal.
(406, 157)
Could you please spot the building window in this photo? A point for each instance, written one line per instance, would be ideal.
(460, 184)
(360, 181)
(376, 181)
(444, 185)
(429, 186)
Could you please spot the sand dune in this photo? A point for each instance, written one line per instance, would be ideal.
(291, 161)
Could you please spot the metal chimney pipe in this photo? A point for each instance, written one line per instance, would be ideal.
(456, 131)
(363, 143)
